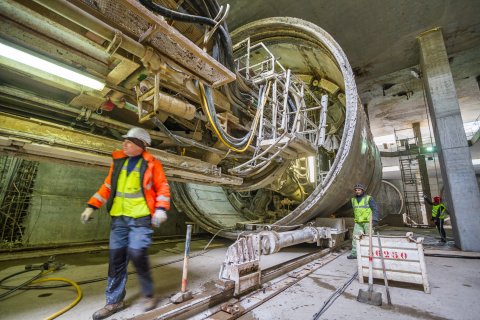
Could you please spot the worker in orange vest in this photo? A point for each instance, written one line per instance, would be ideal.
(137, 196)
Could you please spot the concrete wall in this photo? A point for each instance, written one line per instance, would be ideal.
(434, 187)
(60, 194)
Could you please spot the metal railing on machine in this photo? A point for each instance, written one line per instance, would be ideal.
(288, 128)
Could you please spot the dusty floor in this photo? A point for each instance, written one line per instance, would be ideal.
(455, 285)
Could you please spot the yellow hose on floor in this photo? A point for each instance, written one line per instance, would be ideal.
(71, 305)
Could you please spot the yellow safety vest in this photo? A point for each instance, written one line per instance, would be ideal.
(129, 199)
(361, 210)
(435, 209)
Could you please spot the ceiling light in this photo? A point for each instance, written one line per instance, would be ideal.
(49, 67)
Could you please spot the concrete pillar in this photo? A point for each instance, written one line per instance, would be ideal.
(422, 168)
(462, 193)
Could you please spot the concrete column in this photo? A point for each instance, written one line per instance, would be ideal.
(462, 193)
(422, 168)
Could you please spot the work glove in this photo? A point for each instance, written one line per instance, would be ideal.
(159, 217)
(86, 215)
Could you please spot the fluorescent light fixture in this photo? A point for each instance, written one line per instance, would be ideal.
(49, 67)
(475, 161)
(429, 149)
(391, 169)
(311, 168)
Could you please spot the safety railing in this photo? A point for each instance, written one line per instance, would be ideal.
(288, 127)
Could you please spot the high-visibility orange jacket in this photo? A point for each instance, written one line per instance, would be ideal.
(154, 184)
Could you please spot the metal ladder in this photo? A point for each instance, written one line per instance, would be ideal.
(408, 149)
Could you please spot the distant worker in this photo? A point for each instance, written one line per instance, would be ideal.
(137, 196)
(363, 206)
(438, 214)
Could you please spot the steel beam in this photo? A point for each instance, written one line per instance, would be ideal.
(44, 139)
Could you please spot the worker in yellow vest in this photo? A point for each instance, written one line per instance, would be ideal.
(137, 197)
(363, 206)
(439, 211)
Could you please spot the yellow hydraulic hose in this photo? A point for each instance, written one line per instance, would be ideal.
(71, 305)
(212, 123)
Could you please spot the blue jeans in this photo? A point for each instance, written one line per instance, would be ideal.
(129, 240)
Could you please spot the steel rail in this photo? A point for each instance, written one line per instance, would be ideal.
(207, 303)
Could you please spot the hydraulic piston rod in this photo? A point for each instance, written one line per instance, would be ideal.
(272, 241)
(242, 261)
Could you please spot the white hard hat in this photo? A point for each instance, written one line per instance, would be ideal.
(139, 133)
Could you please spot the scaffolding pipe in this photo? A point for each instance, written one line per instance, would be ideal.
(19, 94)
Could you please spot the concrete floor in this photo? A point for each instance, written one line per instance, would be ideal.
(455, 286)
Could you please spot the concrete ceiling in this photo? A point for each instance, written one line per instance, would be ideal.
(378, 36)
(379, 39)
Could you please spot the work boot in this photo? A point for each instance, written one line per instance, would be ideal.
(351, 256)
(149, 304)
(108, 310)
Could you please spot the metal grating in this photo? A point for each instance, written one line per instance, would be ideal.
(16, 185)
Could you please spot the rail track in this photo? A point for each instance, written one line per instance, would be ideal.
(220, 303)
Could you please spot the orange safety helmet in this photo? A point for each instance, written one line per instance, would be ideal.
(437, 199)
